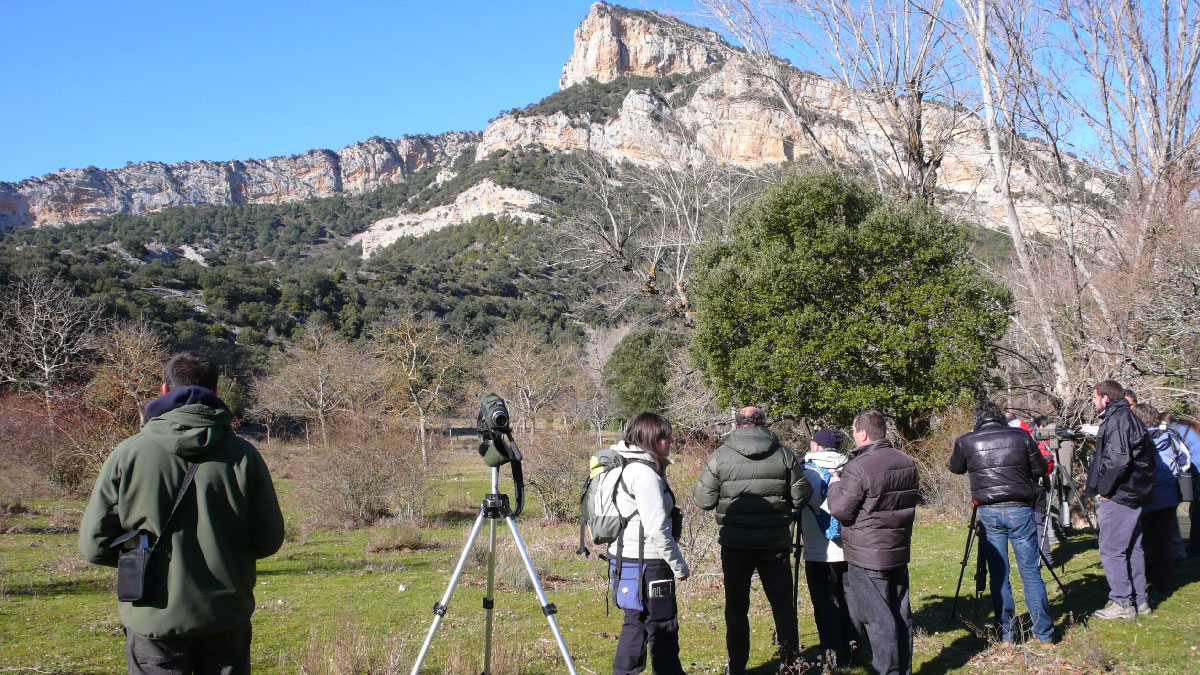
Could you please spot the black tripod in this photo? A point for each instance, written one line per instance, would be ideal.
(974, 531)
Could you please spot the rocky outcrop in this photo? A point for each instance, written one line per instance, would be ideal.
(484, 198)
(615, 41)
(82, 194)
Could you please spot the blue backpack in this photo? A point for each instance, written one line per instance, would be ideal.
(828, 524)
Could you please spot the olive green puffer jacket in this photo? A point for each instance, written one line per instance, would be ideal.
(755, 483)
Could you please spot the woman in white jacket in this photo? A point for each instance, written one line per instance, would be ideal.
(651, 615)
(824, 564)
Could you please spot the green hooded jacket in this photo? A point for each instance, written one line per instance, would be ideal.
(201, 579)
(754, 483)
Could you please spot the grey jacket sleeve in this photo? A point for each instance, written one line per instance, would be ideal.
(801, 489)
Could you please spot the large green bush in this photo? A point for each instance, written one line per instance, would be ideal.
(827, 299)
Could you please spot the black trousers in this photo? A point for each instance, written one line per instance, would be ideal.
(879, 609)
(226, 653)
(657, 624)
(738, 566)
(1158, 529)
(826, 587)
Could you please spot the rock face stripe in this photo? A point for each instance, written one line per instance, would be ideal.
(75, 195)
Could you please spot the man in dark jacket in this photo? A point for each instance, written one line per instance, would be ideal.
(754, 483)
(875, 498)
(1121, 474)
(1004, 465)
(194, 615)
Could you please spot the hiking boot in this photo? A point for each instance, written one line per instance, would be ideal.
(1144, 609)
(1115, 610)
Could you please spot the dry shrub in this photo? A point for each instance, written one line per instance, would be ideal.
(509, 657)
(555, 470)
(348, 650)
(367, 472)
(404, 537)
(940, 489)
(61, 446)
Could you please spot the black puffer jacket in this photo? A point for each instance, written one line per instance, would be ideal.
(1003, 463)
(875, 500)
(1122, 466)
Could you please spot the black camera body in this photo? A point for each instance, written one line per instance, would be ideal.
(494, 424)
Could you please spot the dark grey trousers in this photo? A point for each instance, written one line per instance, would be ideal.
(826, 587)
(1121, 552)
(738, 566)
(879, 608)
(226, 653)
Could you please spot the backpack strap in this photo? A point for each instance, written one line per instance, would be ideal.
(187, 482)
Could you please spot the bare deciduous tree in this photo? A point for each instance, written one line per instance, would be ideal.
(321, 377)
(529, 372)
(426, 362)
(130, 371)
(48, 336)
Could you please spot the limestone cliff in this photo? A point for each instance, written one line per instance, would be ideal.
(484, 198)
(730, 116)
(614, 41)
(82, 194)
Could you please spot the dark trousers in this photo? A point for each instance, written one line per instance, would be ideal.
(226, 653)
(738, 566)
(826, 587)
(879, 608)
(1121, 552)
(657, 624)
(1158, 538)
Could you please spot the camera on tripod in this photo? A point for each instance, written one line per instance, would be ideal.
(494, 424)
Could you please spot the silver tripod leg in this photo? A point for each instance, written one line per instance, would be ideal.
(440, 609)
(489, 600)
(547, 608)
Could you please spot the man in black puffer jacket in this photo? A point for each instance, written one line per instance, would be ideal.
(1004, 464)
(875, 498)
(754, 483)
(1121, 474)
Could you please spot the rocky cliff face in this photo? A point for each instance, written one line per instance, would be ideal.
(614, 41)
(83, 194)
(484, 198)
(730, 118)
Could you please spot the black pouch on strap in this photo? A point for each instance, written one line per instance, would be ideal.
(131, 574)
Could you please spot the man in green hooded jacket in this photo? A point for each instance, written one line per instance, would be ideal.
(754, 483)
(194, 614)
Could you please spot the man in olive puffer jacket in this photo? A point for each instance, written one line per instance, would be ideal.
(754, 483)
(875, 498)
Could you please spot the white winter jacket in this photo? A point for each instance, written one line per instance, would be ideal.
(816, 547)
(647, 498)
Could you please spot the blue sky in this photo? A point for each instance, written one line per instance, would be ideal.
(106, 82)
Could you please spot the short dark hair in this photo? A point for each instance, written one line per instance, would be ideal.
(754, 419)
(190, 369)
(1147, 413)
(1130, 395)
(986, 409)
(1110, 388)
(872, 422)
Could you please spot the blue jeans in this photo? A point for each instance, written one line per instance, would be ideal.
(1003, 525)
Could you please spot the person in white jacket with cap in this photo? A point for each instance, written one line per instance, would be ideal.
(824, 564)
(646, 499)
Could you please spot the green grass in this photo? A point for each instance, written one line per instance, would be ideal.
(324, 598)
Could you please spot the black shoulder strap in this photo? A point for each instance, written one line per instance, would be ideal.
(187, 482)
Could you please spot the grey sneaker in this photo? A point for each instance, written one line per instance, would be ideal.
(1144, 609)
(1116, 611)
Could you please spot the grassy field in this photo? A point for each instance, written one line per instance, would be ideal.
(360, 601)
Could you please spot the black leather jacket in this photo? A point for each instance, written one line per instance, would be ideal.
(1004, 463)
(1122, 466)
